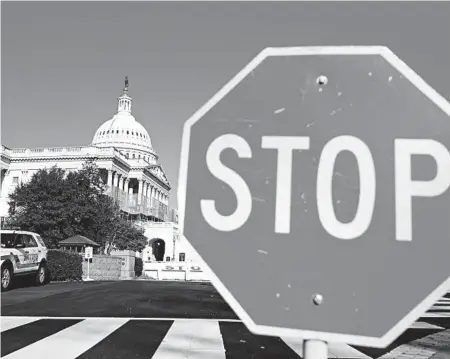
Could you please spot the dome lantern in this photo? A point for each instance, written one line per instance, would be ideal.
(124, 101)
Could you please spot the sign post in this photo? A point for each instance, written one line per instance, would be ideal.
(322, 174)
(315, 349)
(88, 254)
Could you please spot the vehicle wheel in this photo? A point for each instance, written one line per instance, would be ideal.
(42, 274)
(7, 276)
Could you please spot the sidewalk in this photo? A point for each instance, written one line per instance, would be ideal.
(434, 346)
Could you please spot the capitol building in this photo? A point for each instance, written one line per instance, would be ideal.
(122, 149)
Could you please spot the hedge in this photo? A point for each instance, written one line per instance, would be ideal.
(138, 266)
(64, 265)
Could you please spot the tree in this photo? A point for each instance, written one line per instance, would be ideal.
(128, 236)
(38, 206)
(58, 205)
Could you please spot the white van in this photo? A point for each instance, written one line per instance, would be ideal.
(22, 253)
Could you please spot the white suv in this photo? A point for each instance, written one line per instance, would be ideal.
(22, 253)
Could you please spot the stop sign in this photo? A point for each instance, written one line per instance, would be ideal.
(315, 187)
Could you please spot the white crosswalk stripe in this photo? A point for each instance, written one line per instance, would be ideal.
(181, 338)
(8, 323)
(204, 342)
(70, 342)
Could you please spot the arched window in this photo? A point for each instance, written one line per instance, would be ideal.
(134, 156)
(128, 132)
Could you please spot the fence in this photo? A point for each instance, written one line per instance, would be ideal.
(146, 206)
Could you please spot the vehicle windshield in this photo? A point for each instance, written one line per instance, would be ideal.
(8, 240)
(40, 240)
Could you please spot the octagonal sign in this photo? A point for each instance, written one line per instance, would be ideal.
(315, 187)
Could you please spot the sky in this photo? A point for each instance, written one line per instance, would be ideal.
(63, 63)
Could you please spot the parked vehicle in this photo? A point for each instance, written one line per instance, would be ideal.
(22, 254)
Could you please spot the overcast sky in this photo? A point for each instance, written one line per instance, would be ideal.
(63, 64)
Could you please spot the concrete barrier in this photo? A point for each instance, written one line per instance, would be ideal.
(181, 271)
(103, 267)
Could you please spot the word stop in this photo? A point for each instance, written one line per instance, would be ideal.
(405, 187)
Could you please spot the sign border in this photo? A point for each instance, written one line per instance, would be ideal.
(408, 73)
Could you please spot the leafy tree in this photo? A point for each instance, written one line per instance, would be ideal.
(128, 236)
(58, 205)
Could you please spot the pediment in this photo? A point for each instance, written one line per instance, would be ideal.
(158, 172)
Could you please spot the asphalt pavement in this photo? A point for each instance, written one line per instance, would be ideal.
(129, 299)
(94, 320)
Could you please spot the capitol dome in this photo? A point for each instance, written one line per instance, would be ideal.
(124, 132)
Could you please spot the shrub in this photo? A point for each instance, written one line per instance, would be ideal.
(64, 265)
(138, 267)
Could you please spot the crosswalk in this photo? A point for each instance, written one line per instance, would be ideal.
(168, 338)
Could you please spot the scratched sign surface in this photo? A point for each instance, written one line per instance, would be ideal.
(269, 263)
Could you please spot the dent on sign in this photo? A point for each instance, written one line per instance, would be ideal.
(405, 187)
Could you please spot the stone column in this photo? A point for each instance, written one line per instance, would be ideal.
(147, 195)
(110, 180)
(121, 182)
(150, 195)
(116, 179)
(126, 185)
(141, 184)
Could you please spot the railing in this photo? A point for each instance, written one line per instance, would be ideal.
(146, 206)
(61, 151)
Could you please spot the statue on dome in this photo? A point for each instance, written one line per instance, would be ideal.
(126, 82)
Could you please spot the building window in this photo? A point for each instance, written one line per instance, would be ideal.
(15, 180)
(182, 257)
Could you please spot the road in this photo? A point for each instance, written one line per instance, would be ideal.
(176, 320)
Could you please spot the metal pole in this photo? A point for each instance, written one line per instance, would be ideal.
(315, 349)
(89, 277)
